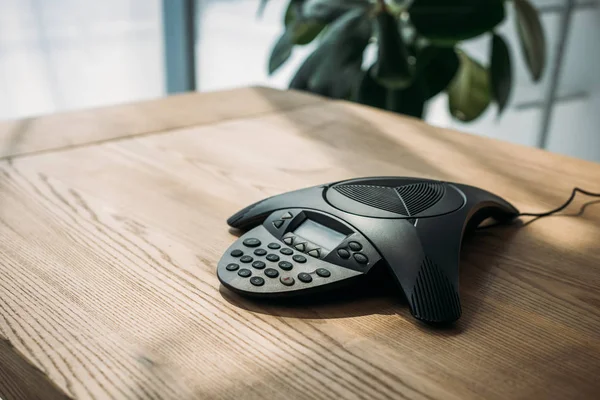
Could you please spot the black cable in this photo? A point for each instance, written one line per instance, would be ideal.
(547, 213)
(562, 207)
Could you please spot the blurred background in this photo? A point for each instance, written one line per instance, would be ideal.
(59, 55)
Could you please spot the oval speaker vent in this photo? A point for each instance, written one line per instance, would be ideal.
(394, 197)
(380, 197)
(421, 196)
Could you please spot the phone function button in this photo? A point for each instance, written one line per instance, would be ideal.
(259, 264)
(277, 224)
(286, 251)
(251, 242)
(285, 265)
(287, 280)
(232, 267)
(355, 246)
(272, 257)
(345, 254)
(298, 258)
(300, 246)
(287, 215)
(304, 277)
(244, 273)
(260, 252)
(361, 258)
(315, 253)
(236, 253)
(323, 273)
(246, 259)
(271, 273)
(274, 246)
(288, 240)
(257, 281)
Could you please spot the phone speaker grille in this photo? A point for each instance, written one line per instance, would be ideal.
(418, 197)
(381, 197)
(434, 298)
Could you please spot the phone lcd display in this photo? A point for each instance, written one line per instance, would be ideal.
(320, 235)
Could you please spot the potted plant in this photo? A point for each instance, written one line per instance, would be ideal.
(418, 51)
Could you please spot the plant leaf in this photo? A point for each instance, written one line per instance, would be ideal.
(531, 35)
(303, 30)
(469, 92)
(342, 87)
(308, 68)
(261, 8)
(293, 12)
(500, 72)
(391, 69)
(370, 92)
(344, 43)
(327, 11)
(306, 32)
(407, 101)
(281, 52)
(436, 66)
(446, 22)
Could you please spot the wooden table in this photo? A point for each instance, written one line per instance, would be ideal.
(112, 221)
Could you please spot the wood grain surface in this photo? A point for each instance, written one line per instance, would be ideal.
(109, 242)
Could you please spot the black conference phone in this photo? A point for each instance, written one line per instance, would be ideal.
(319, 237)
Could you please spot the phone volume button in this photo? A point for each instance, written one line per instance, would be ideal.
(343, 253)
(361, 258)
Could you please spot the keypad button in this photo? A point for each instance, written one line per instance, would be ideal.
(257, 281)
(361, 258)
(324, 273)
(287, 215)
(251, 242)
(300, 246)
(271, 273)
(286, 251)
(299, 258)
(304, 277)
(285, 265)
(259, 264)
(355, 246)
(288, 240)
(287, 280)
(272, 257)
(260, 252)
(273, 246)
(246, 259)
(244, 273)
(232, 267)
(277, 224)
(236, 253)
(343, 253)
(315, 253)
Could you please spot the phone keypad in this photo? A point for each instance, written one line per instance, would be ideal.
(251, 242)
(287, 280)
(299, 259)
(244, 273)
(260, 263)
(283, 265)
(271, 273)
(286, 251)
(272, 257)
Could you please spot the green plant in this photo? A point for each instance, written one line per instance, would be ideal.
(418, 51)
